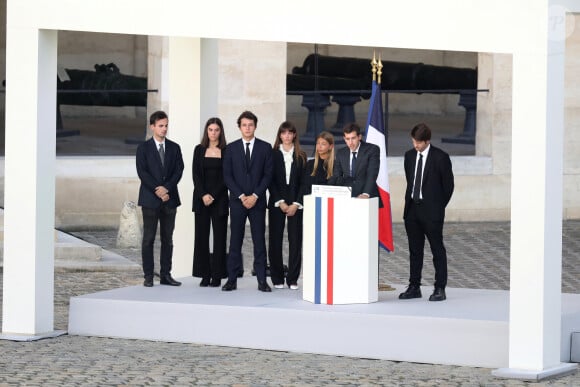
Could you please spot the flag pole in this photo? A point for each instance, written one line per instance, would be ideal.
(377, 69)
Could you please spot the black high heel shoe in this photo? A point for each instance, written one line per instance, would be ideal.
(204, 282)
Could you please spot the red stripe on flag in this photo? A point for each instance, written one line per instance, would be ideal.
(385, 221)
(330, 256)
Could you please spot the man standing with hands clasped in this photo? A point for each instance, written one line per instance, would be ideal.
(429, 189)
(247, 174)
(159, 166)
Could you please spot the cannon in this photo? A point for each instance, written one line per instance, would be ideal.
(349, 80)
(106, 86)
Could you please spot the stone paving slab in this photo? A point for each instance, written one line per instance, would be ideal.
(478, 257)
(72, 253)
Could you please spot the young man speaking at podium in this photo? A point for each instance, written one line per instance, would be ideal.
(357, 165)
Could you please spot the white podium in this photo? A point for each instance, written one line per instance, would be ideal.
(340, 250)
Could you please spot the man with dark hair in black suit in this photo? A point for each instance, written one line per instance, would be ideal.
(159, 166)
(429, 189)
(247, 174)
(357, 165)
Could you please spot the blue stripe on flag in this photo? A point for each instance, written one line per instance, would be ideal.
(317, 249)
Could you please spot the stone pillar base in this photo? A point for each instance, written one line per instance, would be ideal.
(25, 337)
(560, 370)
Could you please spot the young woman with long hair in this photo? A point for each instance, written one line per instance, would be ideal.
(210, 204)
(285, 204)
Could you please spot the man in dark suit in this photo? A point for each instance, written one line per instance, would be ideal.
(247, 174)
(429, 189)
(357, 165)
(159, 166)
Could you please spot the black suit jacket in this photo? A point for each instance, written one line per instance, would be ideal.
(438, 182)
(278, 189)
(256, 179)
(153, 174)
(367, 167)
(200, 188)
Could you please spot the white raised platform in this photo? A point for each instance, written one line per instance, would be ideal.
(470, 328)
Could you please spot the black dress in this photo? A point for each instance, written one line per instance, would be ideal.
(208, 179)
(319, 177)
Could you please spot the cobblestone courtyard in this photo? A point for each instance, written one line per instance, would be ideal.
(478, 258)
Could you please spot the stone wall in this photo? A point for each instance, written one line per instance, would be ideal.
(252, 76)
(572, 123)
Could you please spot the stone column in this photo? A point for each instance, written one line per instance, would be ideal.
(494, 110)
(28, 293)
(252, 77)
(536, 205)
(157, 75)
(184, 98)
(572, 120)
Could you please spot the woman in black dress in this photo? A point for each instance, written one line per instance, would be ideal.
(285, 204)
(319, 169)
(210, 204)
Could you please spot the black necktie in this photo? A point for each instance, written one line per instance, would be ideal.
(248, 155)
(418, 178)
(352, 164)
(162, 154)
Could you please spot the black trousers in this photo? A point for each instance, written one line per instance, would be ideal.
(238, 216)
(419, 226)
(165, 216)
(276, 223)
(206, 265)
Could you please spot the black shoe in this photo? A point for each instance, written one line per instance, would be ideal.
(148, 283)
(204, 282)
(413, 291)
(215, 283)
(168, 280)
(264, 287)
(229, 286)
(438, 295)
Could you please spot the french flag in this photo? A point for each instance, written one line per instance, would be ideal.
(376, 135)
(324, 251)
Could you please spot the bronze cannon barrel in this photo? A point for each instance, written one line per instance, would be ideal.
(106, 86)
(395, 75)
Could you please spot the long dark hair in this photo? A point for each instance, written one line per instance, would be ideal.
(288, 126)
(222, 138)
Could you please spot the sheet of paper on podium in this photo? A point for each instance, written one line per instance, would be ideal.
(331, 191)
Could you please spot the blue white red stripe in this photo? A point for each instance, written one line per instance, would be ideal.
(324, 251)
(376, 135)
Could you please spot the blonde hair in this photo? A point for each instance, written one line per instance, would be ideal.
(329, 162)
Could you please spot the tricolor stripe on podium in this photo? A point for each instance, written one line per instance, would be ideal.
(324, 251)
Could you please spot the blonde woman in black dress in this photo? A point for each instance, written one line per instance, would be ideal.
(210, 204)
(319, 170)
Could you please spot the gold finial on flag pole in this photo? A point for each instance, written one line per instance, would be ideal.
(380, 69)
(374, 66)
